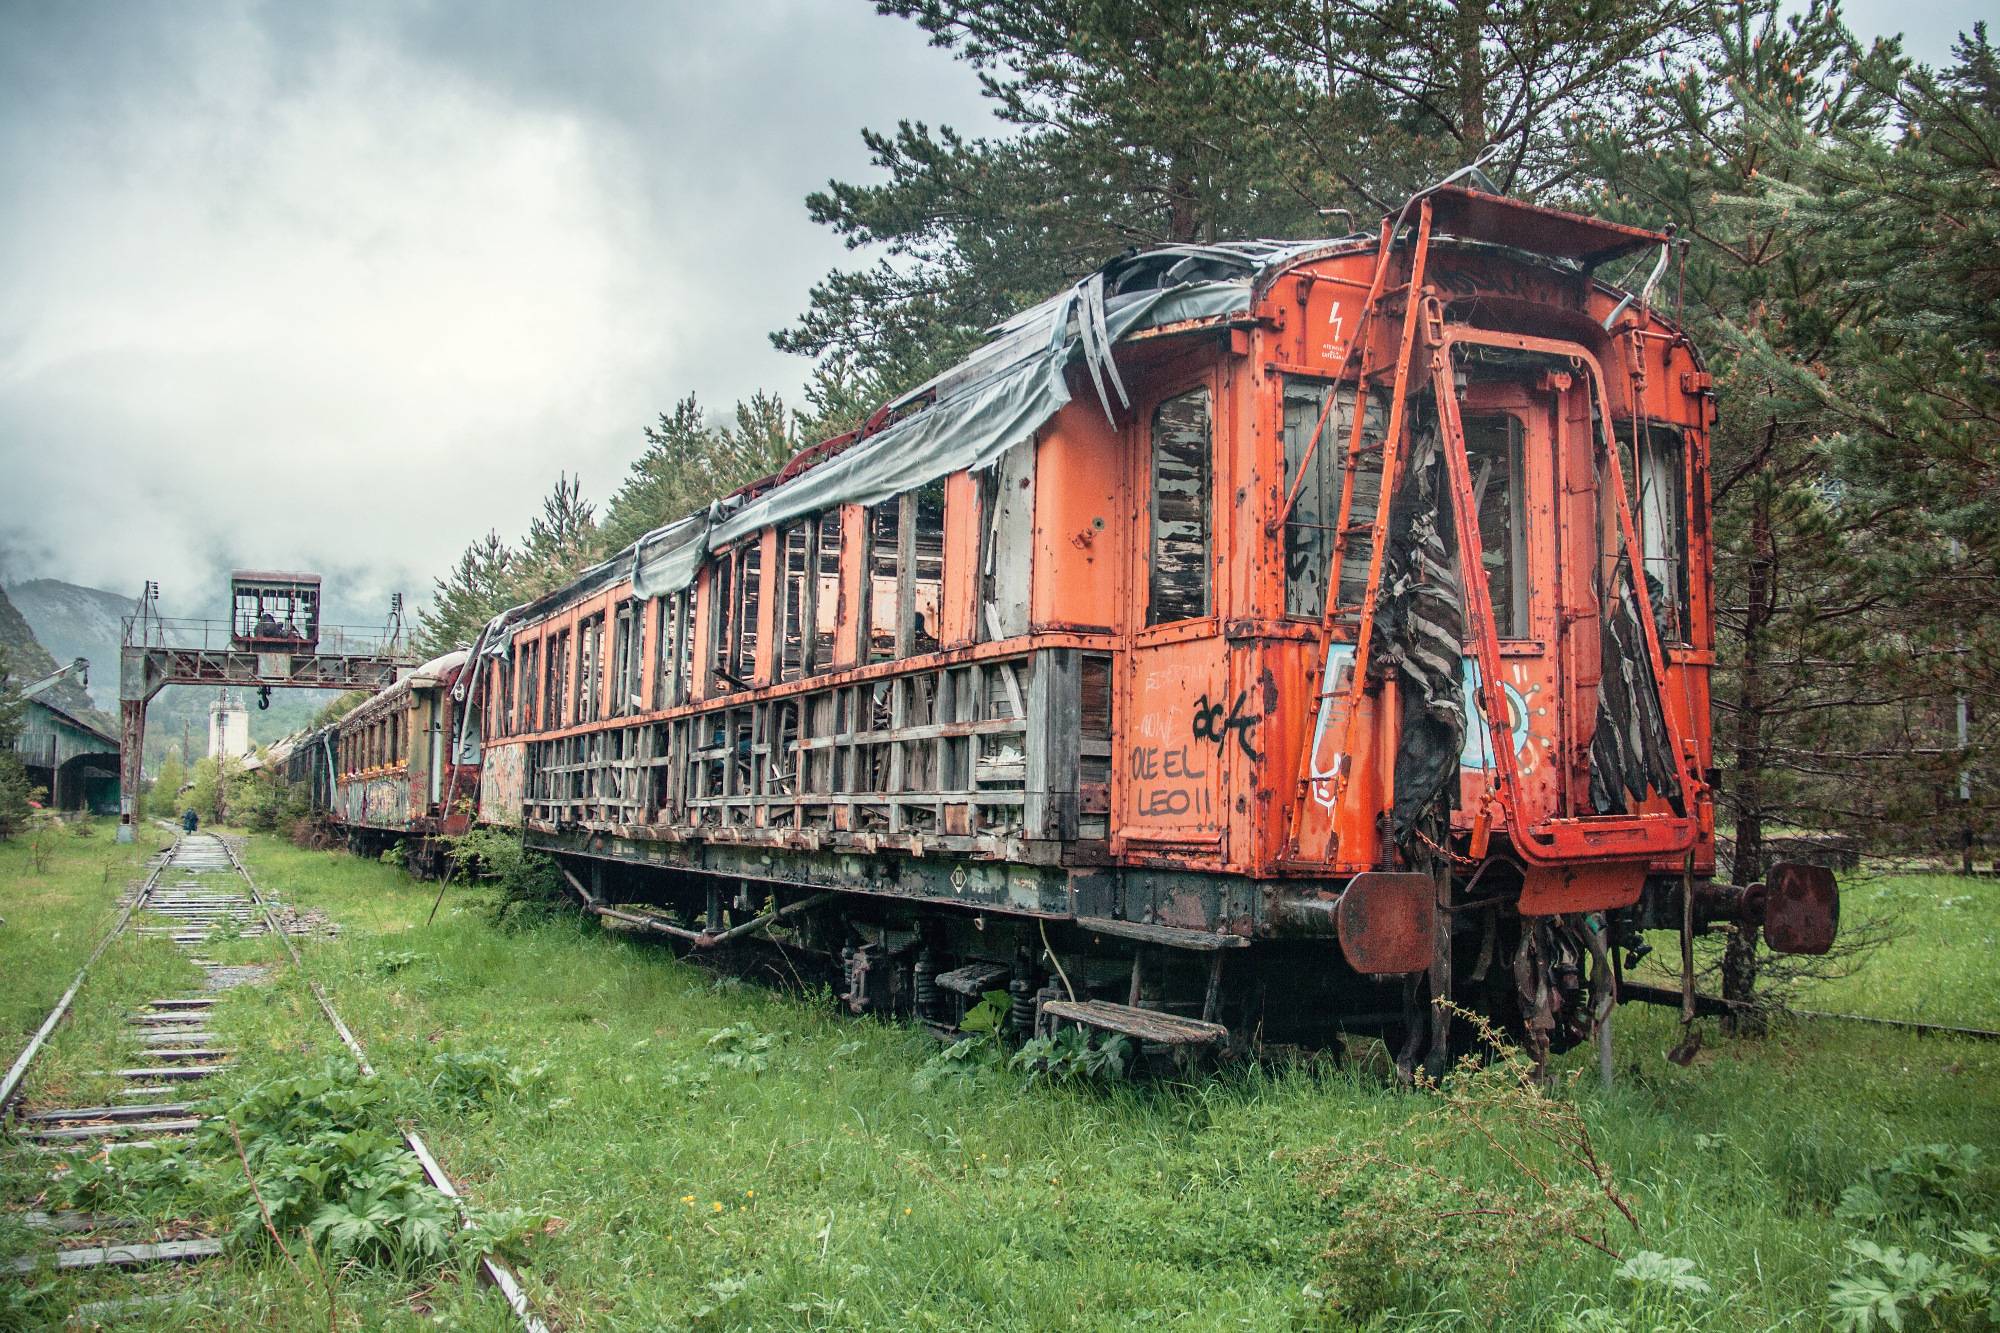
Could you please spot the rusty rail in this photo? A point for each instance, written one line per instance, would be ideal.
(1715, 1005)
(494, 1270)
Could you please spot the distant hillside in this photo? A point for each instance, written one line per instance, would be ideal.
(28, 660)
(71, 620)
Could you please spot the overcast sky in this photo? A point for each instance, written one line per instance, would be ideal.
(340, 286)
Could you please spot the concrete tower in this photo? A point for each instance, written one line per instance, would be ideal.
(228, 728)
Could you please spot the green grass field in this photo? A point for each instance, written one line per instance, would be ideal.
(712, 1154)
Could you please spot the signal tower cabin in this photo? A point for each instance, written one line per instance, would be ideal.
(272, 639)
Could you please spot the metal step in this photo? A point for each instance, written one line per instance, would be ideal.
(1146, 1025)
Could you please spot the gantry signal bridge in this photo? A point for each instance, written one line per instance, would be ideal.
(253, 650)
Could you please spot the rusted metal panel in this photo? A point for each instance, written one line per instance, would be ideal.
(503, 785)
(1801, 908)
(1385, 922)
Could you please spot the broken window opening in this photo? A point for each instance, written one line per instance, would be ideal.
(721, 620)
(502, 702)
(528, 682)
(556, 676)
(589, 669)
(670, 653)
(1311, 536)
(624, 654)
(795, 558)
(1663, 529)
(1309, 529)
(926, 565)
(1495, 444)
(1178, 581)
(826, 595)
(750, 596)
(885, 558)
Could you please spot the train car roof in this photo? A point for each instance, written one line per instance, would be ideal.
(272, 576)
(428, 676)
(969, 415)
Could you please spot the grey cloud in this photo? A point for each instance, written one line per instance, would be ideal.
(344, 286)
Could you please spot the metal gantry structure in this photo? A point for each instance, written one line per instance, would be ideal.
(245, 653)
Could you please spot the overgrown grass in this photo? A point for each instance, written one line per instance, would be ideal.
(55, 915)
(1942, 970)
(836, 1180)
(718, 1155)
(366, 1239)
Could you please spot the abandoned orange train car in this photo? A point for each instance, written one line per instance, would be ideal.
(1246, 631)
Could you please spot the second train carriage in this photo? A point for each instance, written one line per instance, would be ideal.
(1098, 670)
(401, 767)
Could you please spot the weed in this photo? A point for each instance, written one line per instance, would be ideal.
(1650, 1268)
(466, 1080)
(1409, 1217)
(1071, 1056)
(989, 1016)
(1924, 1190)
(390, 962)
(1927, 1181)
(530, 884)
(321, 1155)
(740, 1047)
(1887, 1286)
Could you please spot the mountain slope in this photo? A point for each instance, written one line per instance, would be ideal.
(71, 620)
(29, 661)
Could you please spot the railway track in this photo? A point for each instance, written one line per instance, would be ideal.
(196, 892)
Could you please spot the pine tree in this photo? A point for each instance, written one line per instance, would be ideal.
(14, 788)
(561, 542)
(1810, 282)
(688, 463)
(670, 479)
(1895, 350)
(1138, 122)
(479, 586)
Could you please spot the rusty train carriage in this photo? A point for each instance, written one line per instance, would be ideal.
(1077, 711)
(396, 771)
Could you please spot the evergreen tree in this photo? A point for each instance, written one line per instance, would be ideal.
(671, 478)
(1835, 276)
(1137, 122)
(1895, 350)
(14, 789)
(479, 586)
(561, 540)
(688, 463)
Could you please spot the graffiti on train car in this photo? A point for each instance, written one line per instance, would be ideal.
(1216, 725)
(1172, 762)
(1170, 780)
